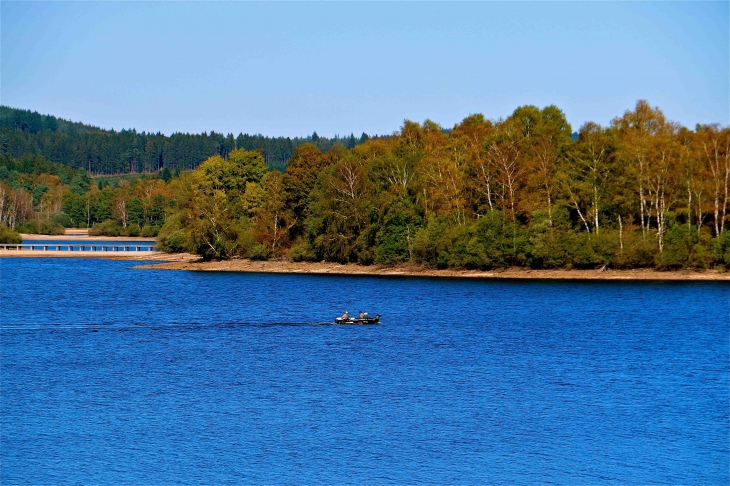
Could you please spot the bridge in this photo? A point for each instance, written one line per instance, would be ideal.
(80, 247)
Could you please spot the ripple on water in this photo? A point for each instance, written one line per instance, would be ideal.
(115, 375)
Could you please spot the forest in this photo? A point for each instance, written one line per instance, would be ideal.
(520, 191)
(110, 152)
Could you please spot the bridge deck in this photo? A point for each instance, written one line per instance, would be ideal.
(83, 247)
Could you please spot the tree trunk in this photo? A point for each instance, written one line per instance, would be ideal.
(620, 234)
(644, 225)
(550, 211)
(660, 213)
(700, 217)
(717, 210)
(727, 178)
(595, 207)
(689, 207)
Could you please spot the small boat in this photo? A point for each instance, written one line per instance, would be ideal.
(358, 320)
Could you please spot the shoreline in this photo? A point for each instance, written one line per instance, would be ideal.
(189, 262)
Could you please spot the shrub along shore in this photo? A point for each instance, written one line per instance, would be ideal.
(485, 195)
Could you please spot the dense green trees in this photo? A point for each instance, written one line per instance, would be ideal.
(224, 195)
(109, 152)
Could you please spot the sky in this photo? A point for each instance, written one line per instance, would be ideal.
(288, 69)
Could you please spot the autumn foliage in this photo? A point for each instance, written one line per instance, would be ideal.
(525, 191)
(520, 191)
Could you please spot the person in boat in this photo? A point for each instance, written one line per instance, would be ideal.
(362, 315)
(346, 315)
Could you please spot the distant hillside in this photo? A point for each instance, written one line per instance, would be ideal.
(102, 151)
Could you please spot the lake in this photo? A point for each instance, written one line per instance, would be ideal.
(112, 375)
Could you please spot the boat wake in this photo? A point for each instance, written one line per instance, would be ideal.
(155, 326)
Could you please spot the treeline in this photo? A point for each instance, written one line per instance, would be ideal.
(642, 192)
(109, 152)
(520, 191)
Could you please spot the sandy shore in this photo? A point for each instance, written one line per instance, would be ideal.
(186, 261)
(189, 262)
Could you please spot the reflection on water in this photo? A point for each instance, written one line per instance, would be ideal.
(115, 375)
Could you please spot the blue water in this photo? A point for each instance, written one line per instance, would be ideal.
(112, 375)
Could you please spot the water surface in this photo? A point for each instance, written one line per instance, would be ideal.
(112, 375)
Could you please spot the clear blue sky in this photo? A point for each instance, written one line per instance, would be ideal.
(292, 68)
